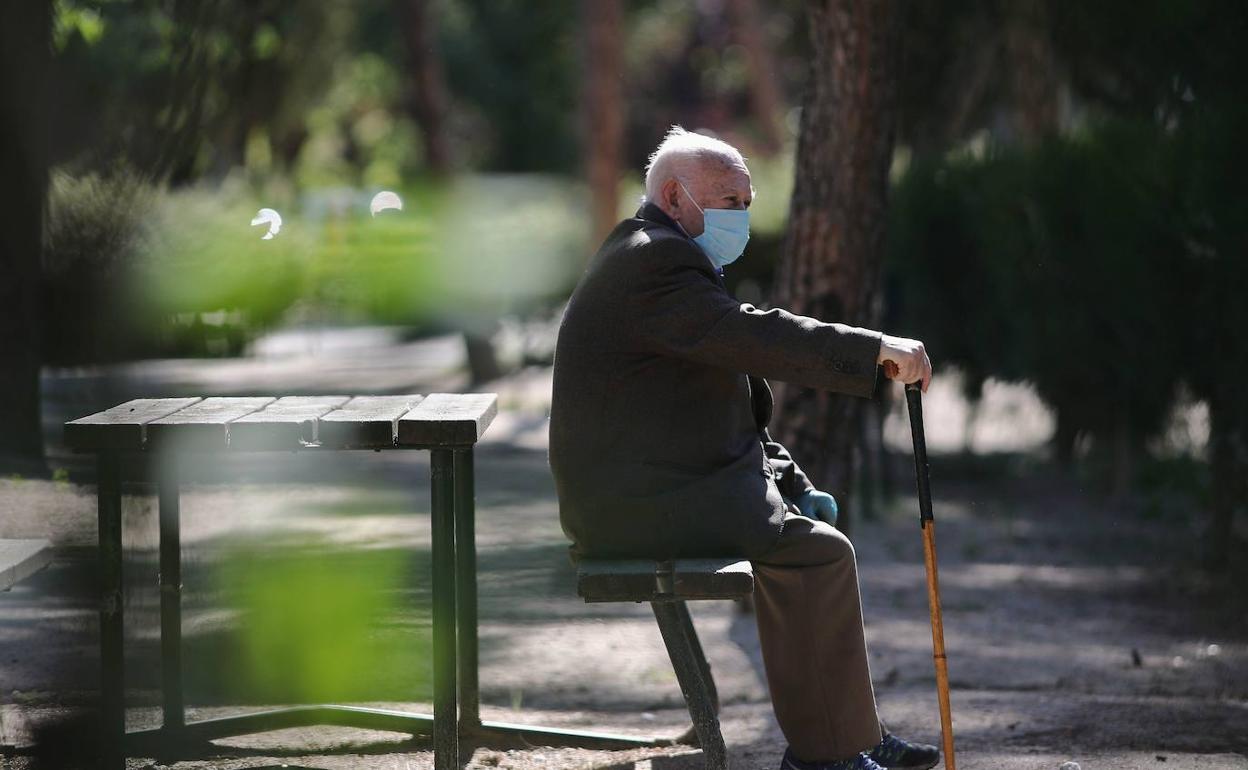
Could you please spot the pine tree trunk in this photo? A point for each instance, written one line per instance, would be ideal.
(25, 52)
(1032, 67)
(766, 99)
(426, 88)
(602, 105)
(834, 246)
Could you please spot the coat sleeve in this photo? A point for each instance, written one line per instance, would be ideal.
(683, 311)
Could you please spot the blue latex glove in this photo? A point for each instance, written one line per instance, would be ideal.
(817, 505)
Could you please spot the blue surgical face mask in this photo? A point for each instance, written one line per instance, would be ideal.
(724, 232)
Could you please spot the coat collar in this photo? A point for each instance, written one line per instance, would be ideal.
(652, 213)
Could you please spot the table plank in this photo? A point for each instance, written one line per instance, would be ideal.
(448, 419)
(19, 559)
(203, 425)
(364, 422)
(283, 424)
(123, 426)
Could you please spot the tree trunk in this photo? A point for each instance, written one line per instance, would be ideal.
(426, 90)
(1228, 458)
(1123, 473)
(834, 246)
(766, 100)
(1065, 437)
(25, 56)
(1032, 68)
(602, 105)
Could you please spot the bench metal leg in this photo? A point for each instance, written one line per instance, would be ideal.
(170, 597)
(112, 680)
(704, 667)
(466, 592)
(445, 696)
(694, 675)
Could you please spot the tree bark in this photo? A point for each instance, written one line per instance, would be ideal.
(426, 93)
(25, 58)
(1032, 65)
(834, 246)
(766, 98)
(602, 105)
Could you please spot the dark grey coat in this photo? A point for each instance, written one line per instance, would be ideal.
(658, 439)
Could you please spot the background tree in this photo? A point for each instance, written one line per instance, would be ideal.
(426, 89)
(25, 53)
(767, 105)
(834, 246)
(602, 109)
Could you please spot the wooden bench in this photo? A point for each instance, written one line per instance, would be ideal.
(667, 585)
(19, 559)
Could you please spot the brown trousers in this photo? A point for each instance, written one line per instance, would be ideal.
(809, 615)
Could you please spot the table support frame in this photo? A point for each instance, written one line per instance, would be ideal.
(172, 707)
(455, 724)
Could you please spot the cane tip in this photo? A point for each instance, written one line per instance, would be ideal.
(1068, 766)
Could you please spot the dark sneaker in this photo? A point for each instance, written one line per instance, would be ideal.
(897, 754)
(858, 762)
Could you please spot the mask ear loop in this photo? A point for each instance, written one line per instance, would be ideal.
(701, 210)
(695, 205)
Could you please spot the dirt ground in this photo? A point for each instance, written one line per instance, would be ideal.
(1077, 629)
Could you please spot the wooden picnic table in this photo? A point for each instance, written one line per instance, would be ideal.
(447, 425)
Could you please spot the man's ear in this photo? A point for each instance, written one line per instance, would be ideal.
(670, 191)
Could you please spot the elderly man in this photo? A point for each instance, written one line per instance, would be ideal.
(659, 443)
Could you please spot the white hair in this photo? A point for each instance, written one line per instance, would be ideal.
(678, 154)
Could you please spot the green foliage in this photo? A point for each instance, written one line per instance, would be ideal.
(1061, 265)
(356, 134)
(176, 89)
(95, 226)
(94, 221)
(331, 255)
(515, 65)
(318, 626)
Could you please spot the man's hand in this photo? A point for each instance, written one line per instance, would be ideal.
(817, 505)
(905, 360)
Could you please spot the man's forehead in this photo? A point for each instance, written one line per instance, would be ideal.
(724, 176)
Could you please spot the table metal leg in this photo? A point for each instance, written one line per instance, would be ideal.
(171, 597)
(112, 681)
(466, 592)
(445, 696)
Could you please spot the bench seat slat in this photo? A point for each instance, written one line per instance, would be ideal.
(282, 424)
(364, 422)
(644, 580)
(448, 419)
(123, 426)
(204, 424)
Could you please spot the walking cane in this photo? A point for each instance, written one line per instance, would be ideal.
(914, 400)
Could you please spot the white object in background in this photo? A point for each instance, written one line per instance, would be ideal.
(385, 200)
(272, 219)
